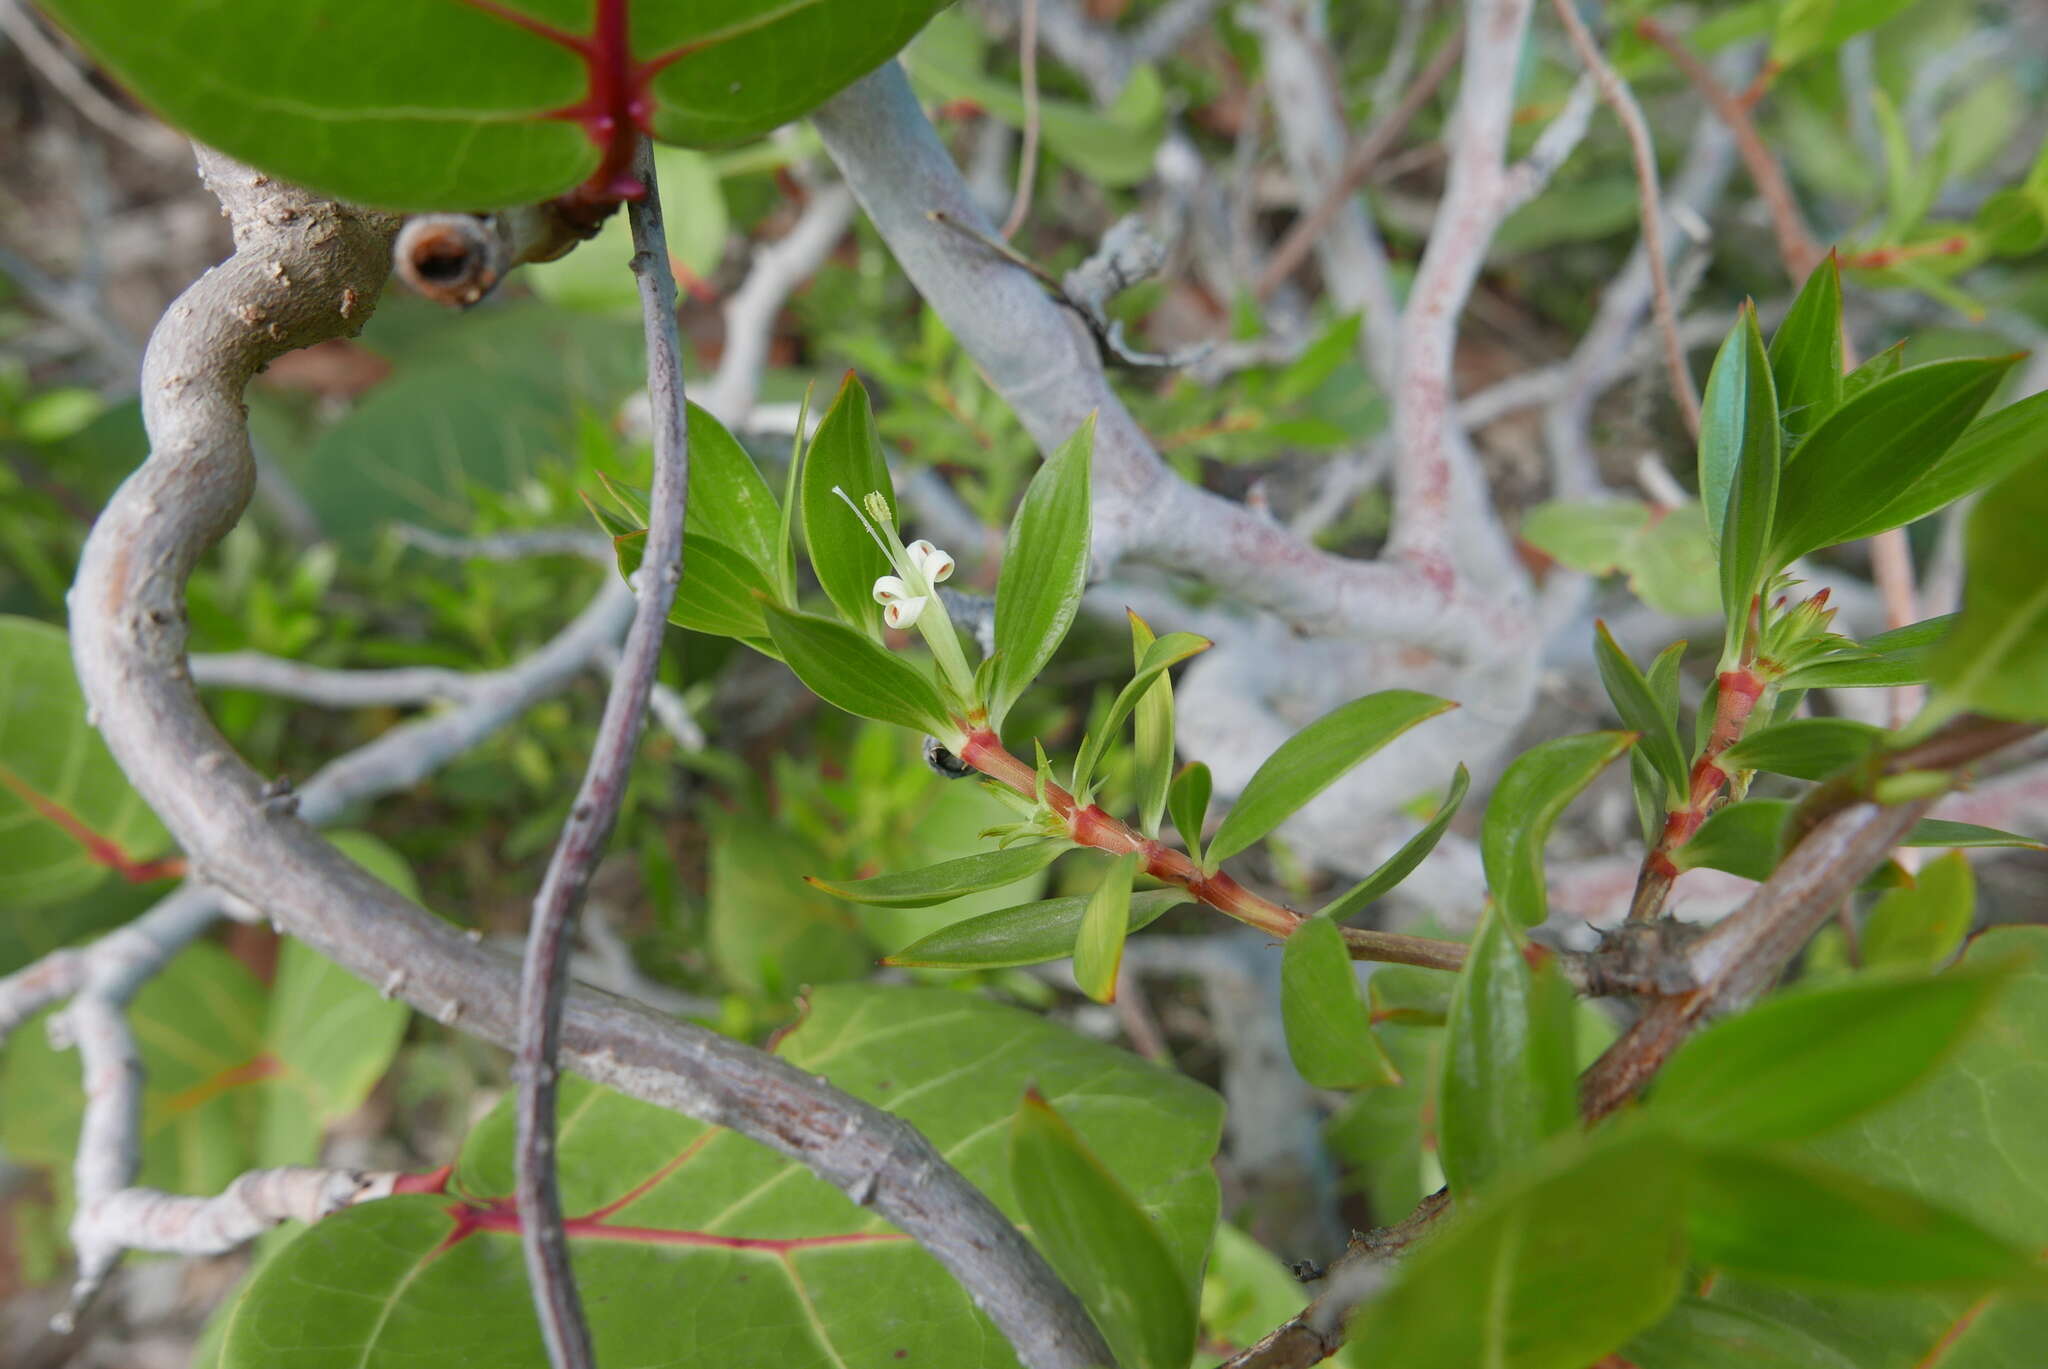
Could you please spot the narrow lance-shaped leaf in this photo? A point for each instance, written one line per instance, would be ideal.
(729, 501)
(721, 591)
(1099, 947)
(1883, 366)
(1989, 450)
(1188, 800)
(851, 672)
(1402, 863)
(1162, 655)
(1739, 459)
(1922, 928)
(1045, 568)
(1996, 659)
(1804, 748)
(1510, 1070)
(1153, 724)
(1806, 351)
(1781, 1217)
(1101, 1243)
(1029, 934)
(1329, 1029)
(792, 499)
(1747, 838)
(1890, 658)
(1640, 708)
(1314, 758)
(973, 874)
(846, 454)
(1809, 1060)
(1875, 447)
(1532, 793)
(1553, 1272)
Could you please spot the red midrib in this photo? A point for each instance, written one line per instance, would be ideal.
(502, 1215)
(101, 850)
(616, 104)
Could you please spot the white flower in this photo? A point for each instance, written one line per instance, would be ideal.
(935, 565)
(888, 589)
(901, 613)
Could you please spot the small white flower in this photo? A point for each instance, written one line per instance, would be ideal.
(888, 589)
(902, 613)
(932, 563)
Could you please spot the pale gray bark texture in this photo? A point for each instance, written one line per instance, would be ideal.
(304, 270)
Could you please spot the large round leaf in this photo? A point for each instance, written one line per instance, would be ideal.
(478, 104)
(694, 1246)
(67, 816)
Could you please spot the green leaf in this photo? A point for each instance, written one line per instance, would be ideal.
(1531, 795)
(1100, 1241)
(1883, 366)
(1890, 658)
(1099, 945)
(1805, 748)
(1029, 934)
(68, 818)
(1510, 1079)
(973, 874)
(1922, 928)
(1163, 654)
(1940, 832)
(751, 1259)
(1996, 659)
(1806, 351)
(1807, 1061)
(1112, 146)
(469, 106)
(1314, 758)
(1045, 568)
(1771, 1217)
(846, 454)
(1874, 448)
(235, 1078)
(1402, 863)
(1989, 450)
(1550, 1273)
(1747, 838)
(851, 672)
(769, 933)
(1970, 1139)
(1188, 801)
(1739, 444)
(597, 276)
(1153, 725)
(730, 502)
(1640, 708)
(1667, 554)
(1329, 1031)
(721, 593)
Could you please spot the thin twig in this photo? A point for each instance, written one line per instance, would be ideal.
(1796, 246)
(1027, 156)
(1616, 93)
(545, 975)
(1373, 144)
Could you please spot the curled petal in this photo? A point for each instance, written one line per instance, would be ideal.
(935, 565)
(901, 613)
(888, 589)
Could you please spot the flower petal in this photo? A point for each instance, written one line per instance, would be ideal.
(901, 613)
(889, 588)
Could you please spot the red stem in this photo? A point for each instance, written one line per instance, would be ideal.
(1091, 826)
(1736, 700)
